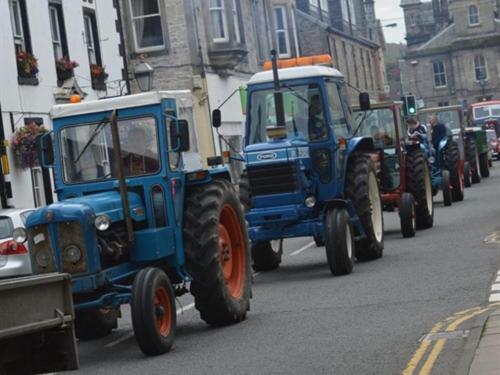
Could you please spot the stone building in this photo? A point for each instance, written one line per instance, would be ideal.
(350, 32)
(453, 55)
(211, 48)
(84, 31)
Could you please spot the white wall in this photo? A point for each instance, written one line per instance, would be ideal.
(23, 99)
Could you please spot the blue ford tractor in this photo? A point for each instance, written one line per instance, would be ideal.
(132, 226)
(306, 172)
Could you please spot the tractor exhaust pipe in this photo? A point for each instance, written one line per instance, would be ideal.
(278, 95)
(115, 135)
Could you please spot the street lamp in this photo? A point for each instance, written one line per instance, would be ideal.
(144, 75)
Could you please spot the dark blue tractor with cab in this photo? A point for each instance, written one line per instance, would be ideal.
(306, 172)
(133, 226)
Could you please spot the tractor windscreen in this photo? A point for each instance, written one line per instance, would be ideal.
(379, 124)
(489, 111)
(451, 118)
(87, 150)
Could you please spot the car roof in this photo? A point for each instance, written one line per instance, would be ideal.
(298, 72)
(126, 101)
(14, 211)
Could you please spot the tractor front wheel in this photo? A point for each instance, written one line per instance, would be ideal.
(362, 189)
(446, 188)
(319, 240)
(418, 184)
(407, 215)
(339, 242)
(95, 323)
(467, 175)
(217, 252)
(452, 156)
(154, 317)
(267, 255)
(484, 166)
(473, 158)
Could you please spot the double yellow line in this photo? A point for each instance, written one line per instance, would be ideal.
(451, 324)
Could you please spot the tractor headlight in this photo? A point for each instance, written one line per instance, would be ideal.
(102, 222)
(72, 254)
(19, 235)
(310, 202)
(43, 258)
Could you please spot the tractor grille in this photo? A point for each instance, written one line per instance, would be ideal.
(71, 233)
(40, 248)
(272, 179)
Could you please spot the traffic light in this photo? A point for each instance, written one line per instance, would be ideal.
(409, 105)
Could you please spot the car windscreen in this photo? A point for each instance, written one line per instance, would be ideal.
(6, 227)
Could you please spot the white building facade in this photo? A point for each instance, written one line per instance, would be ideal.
(85, 31)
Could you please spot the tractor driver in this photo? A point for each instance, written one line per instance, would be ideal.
(416, 129)
(139, 160)
(317, 127)
(438, 132)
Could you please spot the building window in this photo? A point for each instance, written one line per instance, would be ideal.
(480, 68)
(282, 32)
(473, 15)
(236, 22)
(37, 180)
(58, 31)
(19, 21)
(219, 21)
(413, 20)
(146, 25)
(439, 74)
(319, 8)
(354, 62)
(92, 38)
(443, 104)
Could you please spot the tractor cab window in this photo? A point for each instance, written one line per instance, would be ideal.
(304, 114)
(337, 111)
(451, 119)
(377, 124)
(87, 150)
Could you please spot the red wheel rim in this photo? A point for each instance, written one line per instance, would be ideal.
(162, 311)
(232, 251)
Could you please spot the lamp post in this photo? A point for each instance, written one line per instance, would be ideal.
(144, 75)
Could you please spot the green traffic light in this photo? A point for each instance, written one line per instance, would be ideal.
(412, 110)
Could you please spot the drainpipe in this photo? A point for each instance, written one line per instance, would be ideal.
(122, 42)
(3, 150)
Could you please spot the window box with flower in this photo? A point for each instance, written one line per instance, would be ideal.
(24, 145)
(99, 77)
(27, 68)
(65, 69)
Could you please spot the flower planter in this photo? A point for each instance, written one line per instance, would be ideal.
(99, 84)
(63, 75)
(28, 81)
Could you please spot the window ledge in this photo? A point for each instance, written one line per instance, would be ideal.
(440, 87)
(473, 25)
(227, 57)
(28, 81)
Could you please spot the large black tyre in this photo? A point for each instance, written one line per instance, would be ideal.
(154, 316)
(244, 191)
(92, 324)
(473, 159)
(266, 256)
(467, 175)
(418, 184)
(339, 241)
(319, 240)
(484, 166)
(362, 189)
(446, 188)
(407, 215)
(217, 253)
(451, 159)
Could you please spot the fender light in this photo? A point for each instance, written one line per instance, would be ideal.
(197, 176)
(11, 247)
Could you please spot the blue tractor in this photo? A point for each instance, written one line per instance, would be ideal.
(132, 226)
(306, 173)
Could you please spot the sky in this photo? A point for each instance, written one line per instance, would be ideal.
(389, 11)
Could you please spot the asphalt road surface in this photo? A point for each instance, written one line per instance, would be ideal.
(304, 321)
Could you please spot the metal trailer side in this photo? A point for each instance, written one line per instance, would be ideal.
(37, 332)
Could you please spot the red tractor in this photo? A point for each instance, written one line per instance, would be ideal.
(404, 173)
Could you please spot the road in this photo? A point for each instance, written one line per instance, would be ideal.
(304, 321)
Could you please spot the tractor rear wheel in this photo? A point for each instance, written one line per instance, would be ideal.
(362, 189)
(407, 215)
(484, 166)
(95, 323)
(339, 241)
(217, 252)
(446, 188)
(467, 174)
(418, 184)
(267, 255)
(154, 316)
(473, 158)
(451, 159)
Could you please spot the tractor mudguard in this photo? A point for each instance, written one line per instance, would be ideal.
(204, 176)
(359, 144)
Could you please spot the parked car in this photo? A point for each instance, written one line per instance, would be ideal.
(491, 137)
(14, 257)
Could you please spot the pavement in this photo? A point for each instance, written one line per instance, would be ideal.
(418, 310)
(486, 358)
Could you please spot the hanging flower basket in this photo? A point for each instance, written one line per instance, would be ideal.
(24, 145)
(99, 77)
(27, 64)
(65, 68)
